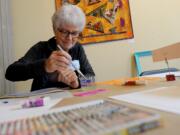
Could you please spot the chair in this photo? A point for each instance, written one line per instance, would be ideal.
(140, 72)
(137, 56)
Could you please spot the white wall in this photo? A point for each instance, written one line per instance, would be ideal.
(155, 24)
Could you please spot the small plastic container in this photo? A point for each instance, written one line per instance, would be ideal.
(86, 82)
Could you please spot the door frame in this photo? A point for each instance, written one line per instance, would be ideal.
(6, 46)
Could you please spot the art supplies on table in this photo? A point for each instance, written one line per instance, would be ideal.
(135, 82)
(140, 81)
(90, 80)
(91, 118)
(37, 102)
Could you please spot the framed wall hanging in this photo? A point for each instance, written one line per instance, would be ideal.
(106, 20)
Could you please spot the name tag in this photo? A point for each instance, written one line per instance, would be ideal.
(76, 64)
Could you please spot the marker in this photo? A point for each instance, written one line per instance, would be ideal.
(60, 48)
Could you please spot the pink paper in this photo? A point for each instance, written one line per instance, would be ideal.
(91, 92)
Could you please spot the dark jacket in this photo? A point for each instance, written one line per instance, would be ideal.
(31, 66)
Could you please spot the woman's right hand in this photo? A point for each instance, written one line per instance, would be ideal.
(57, 61)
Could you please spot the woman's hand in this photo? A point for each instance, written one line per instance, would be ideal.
(57, 61)
(69, 77)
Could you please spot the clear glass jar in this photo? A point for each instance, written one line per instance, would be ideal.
(88, 81)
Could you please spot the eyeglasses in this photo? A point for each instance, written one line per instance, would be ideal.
(66, 33)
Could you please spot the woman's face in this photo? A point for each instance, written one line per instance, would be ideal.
(67, 36)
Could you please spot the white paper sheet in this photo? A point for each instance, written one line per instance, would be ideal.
(149, 98)
(13, 109)
(19, 112)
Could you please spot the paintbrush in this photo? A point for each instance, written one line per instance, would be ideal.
(80, 73)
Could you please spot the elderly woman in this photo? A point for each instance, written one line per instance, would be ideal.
(48, 62)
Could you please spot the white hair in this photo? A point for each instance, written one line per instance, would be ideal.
(69, 14)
